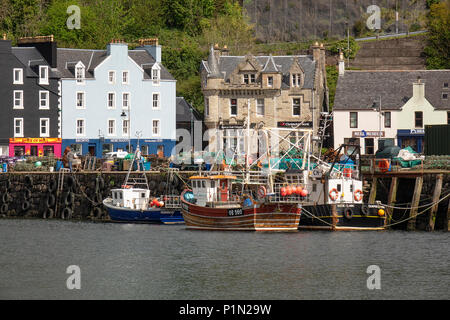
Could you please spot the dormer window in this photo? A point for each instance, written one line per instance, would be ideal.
(295, 80)
(80, 73)
(270, 81)
(156, 74)
(43, 74)
(18, 76)
(249, 78)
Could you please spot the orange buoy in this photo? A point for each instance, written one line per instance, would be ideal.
(288, 190)
(304, 193)
(283, 192)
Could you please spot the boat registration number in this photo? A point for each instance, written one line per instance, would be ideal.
(235, 212)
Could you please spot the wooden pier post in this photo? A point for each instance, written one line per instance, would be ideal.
(446, 222)
(373, 191)
(436, 196)
(334, 218)
(392, 198)
(414, 204)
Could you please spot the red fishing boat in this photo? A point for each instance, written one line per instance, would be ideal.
(223, 202)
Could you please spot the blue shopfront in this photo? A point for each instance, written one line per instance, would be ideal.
(99, 147)
(411, 138)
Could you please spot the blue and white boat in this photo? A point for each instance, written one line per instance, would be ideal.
(132, 202)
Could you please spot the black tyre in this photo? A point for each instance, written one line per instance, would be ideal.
(48, 214)
(51, 200)
(52, 186)
(4, 208)
(26, 205)
(29, 180)
(66, 213)
(27, 194)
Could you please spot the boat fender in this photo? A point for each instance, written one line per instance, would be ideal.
(29, 180)
(364, 210)
(383, 165)
(262, 192)
(52, 186)
(334, 194)
(4, 208)
(27, 194)
(26, 205)
(50, 200)
(48, 213)
(348, 213)
(358, 195)
(66, 213)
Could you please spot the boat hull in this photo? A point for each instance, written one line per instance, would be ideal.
(154, 215)
(264, 217)
(363, 217)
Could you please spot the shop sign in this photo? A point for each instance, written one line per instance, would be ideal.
(367, 134)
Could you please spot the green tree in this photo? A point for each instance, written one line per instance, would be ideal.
(187, 15)
(438, 42)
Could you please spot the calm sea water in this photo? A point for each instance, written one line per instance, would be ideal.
(124, 261)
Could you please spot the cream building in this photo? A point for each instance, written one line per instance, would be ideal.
(377, 108)
(265, 91)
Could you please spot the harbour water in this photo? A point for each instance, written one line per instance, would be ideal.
(124, 261)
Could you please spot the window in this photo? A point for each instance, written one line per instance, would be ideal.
(445, 96)
(18, 76)
(353, 119)
(260, 107)
(45, 127)
(79, 74)
(448, 117)
(296, 80)
(111, 77)
(80, 100)
(270, 81)
(111, 127)
(44, 100)
(80, 127)
(156, 103)
(249, 78)
(18, 99)
(125, 126)
(233, 107)
(418, 119)
(125, 79)
(111, 100)
(156, 74)
(387, 119)
(76, 148)
(369, 144)
(125, 100)
(43, 75)
(48, 150)
(445, 84)
(296, 107)
(155, 127)
(206, 107)
(18, 127)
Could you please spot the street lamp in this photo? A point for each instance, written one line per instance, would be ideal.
(123, 115)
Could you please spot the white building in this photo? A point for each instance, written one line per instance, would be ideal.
(377, 108)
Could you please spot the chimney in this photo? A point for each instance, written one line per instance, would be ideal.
(225, 51)
(419, 89)
(316, 51)
(152, 47)
(44, 44)
(117, 46)
(341, 63)
(217, 51)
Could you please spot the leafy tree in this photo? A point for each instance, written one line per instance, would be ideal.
(438, 48)
(332, 78)
(343, 44)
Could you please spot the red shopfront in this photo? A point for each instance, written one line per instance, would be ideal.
(34, 147)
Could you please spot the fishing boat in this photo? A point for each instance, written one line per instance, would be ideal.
(335, 200)
(133, 203)
(213, 204)
(253, 198)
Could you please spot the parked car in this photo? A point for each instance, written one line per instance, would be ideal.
(116, 154)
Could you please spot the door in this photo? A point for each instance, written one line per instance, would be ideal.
(91, 150)
(34, 151)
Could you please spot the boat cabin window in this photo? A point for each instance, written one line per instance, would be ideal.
(213, 184)
(314, 187)
(351, 188)
(339, 187)
(203, 184)
(143, 195)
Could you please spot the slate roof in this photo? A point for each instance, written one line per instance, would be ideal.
(92, 58)
(357, 90)
(227, 64)
(32, 59)
(184, 111)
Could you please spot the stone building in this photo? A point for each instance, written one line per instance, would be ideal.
(270, 91)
